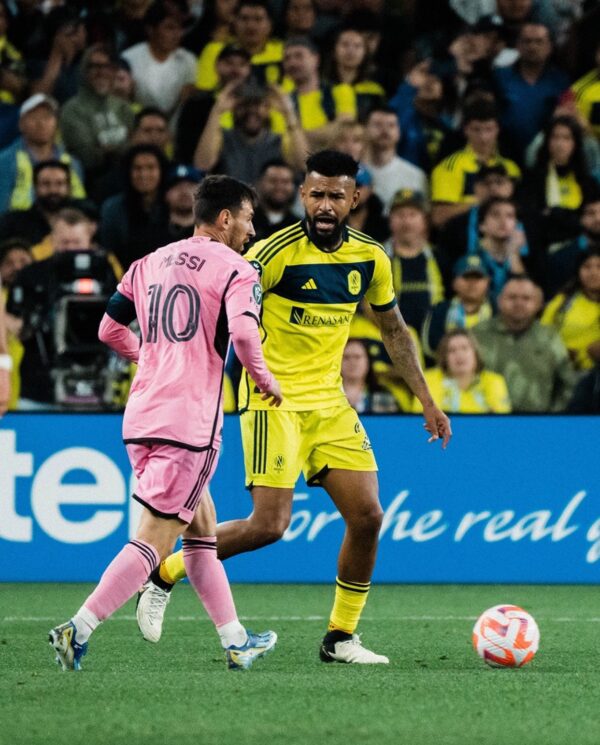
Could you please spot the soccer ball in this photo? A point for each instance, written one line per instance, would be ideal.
(506, 636)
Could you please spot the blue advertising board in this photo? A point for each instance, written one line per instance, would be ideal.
(513, 499)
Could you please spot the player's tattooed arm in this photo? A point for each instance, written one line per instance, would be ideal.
(403, 353)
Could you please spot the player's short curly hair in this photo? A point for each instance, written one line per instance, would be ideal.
(217, 193)
(332, 163)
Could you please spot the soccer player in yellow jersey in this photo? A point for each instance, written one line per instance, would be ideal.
(314, 274)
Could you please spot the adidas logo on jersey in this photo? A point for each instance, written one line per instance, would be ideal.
(310, 285)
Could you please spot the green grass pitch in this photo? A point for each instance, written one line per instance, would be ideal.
(436, 690)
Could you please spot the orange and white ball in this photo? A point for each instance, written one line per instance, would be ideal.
(506, 636)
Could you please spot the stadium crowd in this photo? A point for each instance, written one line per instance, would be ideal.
(476, 125)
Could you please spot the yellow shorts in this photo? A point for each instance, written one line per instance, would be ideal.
(279, 445)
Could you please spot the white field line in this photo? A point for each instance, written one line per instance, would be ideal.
(304, 619)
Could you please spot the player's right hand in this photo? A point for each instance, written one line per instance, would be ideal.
(273, 392)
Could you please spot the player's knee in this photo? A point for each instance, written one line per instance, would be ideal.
(271, 530)
(367, 522)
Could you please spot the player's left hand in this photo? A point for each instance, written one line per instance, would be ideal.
(437, 424)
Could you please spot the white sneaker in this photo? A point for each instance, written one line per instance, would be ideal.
(150, 610)
(351, 651)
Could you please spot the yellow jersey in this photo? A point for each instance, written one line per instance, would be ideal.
(577, 320)
(587, 98)
(487, 394)
(266, 64)
(453, 179)
(310, 297)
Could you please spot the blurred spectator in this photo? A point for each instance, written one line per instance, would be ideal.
(575, 313)
(215, 24)
(390, 172)
(52, 191)
(502, 245)
(351, 64)
(163, 71)
(5, 362)
(417, 278)
(129, 25)
(468, 306)
(244, 150)
(367, 216)
(253, 26)
(233, 66)
(38, 124)
(319, 105)
(58, 76)
(27, 28)
(135, 222)
(460, 235)
(563, 258)
(586, 396)
(12, 79)
(587, 95)
(95, 124)
(532, 357)
(299, 18)
(351, 139)
(418, 104)
(151, 127)
(528, 90)
(33, 298)
(452, 180)
(123, 86)
(359, 381)
(555, 188)
(460, 384)
(181, 184)
(14, 256)
(276, 193)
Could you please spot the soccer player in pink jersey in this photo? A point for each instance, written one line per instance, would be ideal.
(190, 298)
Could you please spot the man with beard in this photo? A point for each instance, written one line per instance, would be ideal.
(52, 190)
(243, 151)
(314, 274)
(276, 191)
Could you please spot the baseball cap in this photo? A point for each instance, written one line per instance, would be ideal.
(184, 173)
(472, 264)
(363, 177)
(38, 99)
(488, 23)
(409, 198)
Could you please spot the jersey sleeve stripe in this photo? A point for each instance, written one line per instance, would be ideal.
(277, 239)
(364, 238)
(275, 251)
(387, 306)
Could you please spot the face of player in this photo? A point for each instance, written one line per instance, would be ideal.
(589, 275)
(460, 356)
(67, 237)
(52, 189)
(590, 220)
(350, 49)
(12, 263)
(234, 68)
(300, 16)
(482, 135)
(561, 145)
(277, 187)
(327, 201)
(383, 130)
(519, 303)
(239, 228)
(252, 27)
(471, 288)
(500, 222)
(355, 363)
(408, 223)
(39, 126)
(145, 174)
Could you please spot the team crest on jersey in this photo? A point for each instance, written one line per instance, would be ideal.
(367, 443)
(354, 282)
(279, 462)
(257, 293)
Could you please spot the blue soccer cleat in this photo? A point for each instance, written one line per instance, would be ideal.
(257, 645)
(68, 651)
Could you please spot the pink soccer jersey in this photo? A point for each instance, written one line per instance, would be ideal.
(187, 296)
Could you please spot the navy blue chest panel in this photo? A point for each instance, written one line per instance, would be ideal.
(325, 283)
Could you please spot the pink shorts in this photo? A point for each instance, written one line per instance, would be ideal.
(171, 479)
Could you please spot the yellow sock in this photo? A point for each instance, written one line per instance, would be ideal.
(350, 599)
(172, 569)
